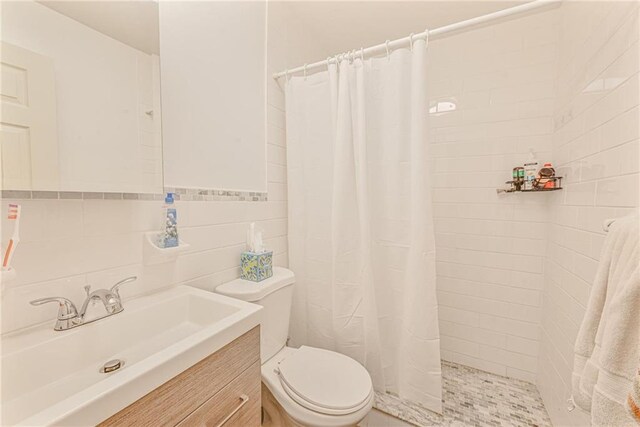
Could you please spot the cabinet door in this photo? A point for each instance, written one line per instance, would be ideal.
(174, 400)
(238, 404)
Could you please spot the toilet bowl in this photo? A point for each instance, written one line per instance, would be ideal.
(303, 386)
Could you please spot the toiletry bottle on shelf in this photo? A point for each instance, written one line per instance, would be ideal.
(518, 177)
(530, 171)
(546, 177)
(169, 234)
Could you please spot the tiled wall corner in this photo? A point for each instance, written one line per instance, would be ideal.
(595, 145)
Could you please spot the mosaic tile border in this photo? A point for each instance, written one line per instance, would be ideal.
(185, 194)
(203, 194)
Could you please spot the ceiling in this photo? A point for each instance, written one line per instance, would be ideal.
(339, 25)
(133, 22)
(346, 25)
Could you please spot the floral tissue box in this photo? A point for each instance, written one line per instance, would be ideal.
(256, 267)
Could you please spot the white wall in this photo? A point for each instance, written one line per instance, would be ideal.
(213, 92)
(288, 45)
(103, 88)
(595, 142)
(490, 247)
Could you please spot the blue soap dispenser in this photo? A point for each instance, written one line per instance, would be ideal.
(169, 236)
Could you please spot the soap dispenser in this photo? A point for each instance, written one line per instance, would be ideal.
(169, 236)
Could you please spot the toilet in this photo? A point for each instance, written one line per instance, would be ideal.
(303, 386)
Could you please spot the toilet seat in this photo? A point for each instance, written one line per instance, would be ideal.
(299, 413)
(325, 381)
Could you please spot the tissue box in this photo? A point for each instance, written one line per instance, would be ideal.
(256, 267)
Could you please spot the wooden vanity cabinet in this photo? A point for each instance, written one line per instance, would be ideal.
(221, 390)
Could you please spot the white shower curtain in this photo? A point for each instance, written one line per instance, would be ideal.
(361, 237)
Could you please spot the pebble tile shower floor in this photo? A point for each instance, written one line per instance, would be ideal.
(474, 398)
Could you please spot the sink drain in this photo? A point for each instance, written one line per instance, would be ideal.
(112, 365)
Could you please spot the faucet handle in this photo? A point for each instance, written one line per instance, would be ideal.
(66, 311)
(116, 288)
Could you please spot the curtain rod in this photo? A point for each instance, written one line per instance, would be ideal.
(429, 34)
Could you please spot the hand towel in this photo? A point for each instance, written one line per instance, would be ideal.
(608, 344)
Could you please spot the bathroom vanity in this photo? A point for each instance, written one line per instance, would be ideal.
(223, 389)
(187, 357)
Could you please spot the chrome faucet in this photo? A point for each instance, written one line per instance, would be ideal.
(68, 315)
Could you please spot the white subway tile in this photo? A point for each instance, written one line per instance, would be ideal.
(17, 313)
(621, 191)
(276, 154)
(275, 135)
(44, 220)
(275, 117)
(580, 194)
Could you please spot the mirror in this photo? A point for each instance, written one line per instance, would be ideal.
(214, 88)
(80, 96)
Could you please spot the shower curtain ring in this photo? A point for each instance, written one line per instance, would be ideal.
(362, 54)
(386, 45)
(286, 75)
(411, 41)
(305, 71)
(426, 38)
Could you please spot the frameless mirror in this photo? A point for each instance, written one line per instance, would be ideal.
(80, 96)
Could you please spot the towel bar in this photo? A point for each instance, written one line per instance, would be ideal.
(607, 223)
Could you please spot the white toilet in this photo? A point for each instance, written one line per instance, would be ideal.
(314, 387)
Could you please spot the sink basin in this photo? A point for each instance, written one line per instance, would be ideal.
(54, 378)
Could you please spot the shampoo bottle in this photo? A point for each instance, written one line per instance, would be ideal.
(169, 236)
(530, 171)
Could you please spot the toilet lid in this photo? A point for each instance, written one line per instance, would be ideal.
(325, 381)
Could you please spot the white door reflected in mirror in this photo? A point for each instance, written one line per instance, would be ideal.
(29, 126)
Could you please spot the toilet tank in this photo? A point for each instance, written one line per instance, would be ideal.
(274, 295)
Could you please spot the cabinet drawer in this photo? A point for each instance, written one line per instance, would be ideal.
(238, 404)
(174, 400)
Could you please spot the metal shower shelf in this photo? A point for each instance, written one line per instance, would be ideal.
(557, 180)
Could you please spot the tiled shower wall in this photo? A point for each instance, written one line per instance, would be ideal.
(490, 247)
(66, 244)
(595, 145)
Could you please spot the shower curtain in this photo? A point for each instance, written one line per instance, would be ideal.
(361, 239)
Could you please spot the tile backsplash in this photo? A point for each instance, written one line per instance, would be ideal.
(66, 244)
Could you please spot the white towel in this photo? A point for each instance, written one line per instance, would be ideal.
(608, 343)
